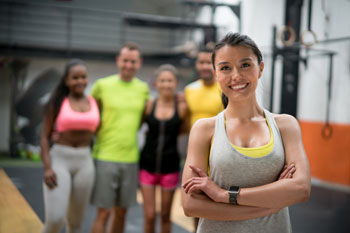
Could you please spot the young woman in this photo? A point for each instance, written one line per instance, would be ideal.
(159, 163)
(244, 150)
(68, 166)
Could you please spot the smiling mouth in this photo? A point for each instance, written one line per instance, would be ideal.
(239, 87)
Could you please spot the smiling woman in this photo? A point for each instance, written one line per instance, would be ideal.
(68, 168)
(160, 160)
(246, 165)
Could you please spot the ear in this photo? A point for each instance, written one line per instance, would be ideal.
(261, 68)
(141, 62)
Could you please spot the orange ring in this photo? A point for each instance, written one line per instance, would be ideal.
(291, 38)
(327, 131)
(302, 35)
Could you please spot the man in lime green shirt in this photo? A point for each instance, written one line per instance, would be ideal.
(121, 99)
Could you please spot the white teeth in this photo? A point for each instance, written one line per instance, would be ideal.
(239, 86)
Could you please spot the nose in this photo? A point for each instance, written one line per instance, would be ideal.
(129, 65)
(208, 66)
(235, 75)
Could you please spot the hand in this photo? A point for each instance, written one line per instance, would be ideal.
(50, 178)
(205, 184)
(180, 97)
(55, 136)
(287, 172)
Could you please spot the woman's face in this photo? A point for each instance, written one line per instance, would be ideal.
(237, 71)
(166, 83)
(77, 79)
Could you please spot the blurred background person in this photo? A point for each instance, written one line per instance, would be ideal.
(160, 160)
(68, 166)
(121, 98)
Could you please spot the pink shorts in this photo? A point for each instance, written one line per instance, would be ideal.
(167, 181)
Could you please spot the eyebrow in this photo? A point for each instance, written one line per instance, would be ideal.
(246, 59)
(222, 63)
(243, 60)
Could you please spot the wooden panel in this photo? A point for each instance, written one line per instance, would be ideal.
(16, 215)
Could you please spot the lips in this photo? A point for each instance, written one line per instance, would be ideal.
(238, 87)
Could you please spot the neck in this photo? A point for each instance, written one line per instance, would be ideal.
(166, 98)
(76, 96)
(125, 79)
(243, 110)
(208, 82)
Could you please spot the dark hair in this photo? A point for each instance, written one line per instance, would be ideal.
(166, 67)
(236, 39)
(61, 90)
(205, 49)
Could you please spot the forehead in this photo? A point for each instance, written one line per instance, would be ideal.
(128, 53)
(166, 74)
(77, 68)
(204, 56)
(233, 53)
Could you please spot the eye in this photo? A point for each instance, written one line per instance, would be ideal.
(223, 68)
(245, 65)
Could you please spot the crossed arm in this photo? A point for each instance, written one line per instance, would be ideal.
(293, 185)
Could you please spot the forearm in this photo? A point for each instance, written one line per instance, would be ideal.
(199, 205)
(44, 153)
(278, 194)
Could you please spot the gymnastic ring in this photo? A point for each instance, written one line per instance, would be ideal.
(327, 131)
(302, 37)
(292, 36)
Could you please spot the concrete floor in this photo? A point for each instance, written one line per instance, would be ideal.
(327, 211)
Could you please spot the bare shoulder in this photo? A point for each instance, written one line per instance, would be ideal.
(204, 127)
(286, 122)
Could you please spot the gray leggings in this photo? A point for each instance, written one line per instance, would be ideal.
(75, 174)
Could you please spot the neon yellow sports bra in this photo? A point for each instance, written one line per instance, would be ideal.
(256, 152)
(260, 151)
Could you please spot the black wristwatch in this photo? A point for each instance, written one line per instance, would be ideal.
(233, 194)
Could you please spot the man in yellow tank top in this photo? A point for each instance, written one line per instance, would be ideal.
(204, 95)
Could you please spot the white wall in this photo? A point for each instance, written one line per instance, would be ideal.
(258, 18)
(314, 79)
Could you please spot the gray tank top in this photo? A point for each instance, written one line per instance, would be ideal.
(229, 167)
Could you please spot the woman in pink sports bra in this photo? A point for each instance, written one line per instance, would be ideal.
(68, 166)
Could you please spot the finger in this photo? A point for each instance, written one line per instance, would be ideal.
(189, 186)
(284, 172)
(186, 183)
(54, 180)
(49, 184)
(189, 181)
(196, 184)
(198, 171)
(287, 169)
(195, 187)
(293, 170)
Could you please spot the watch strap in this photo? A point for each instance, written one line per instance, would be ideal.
(233, 194)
